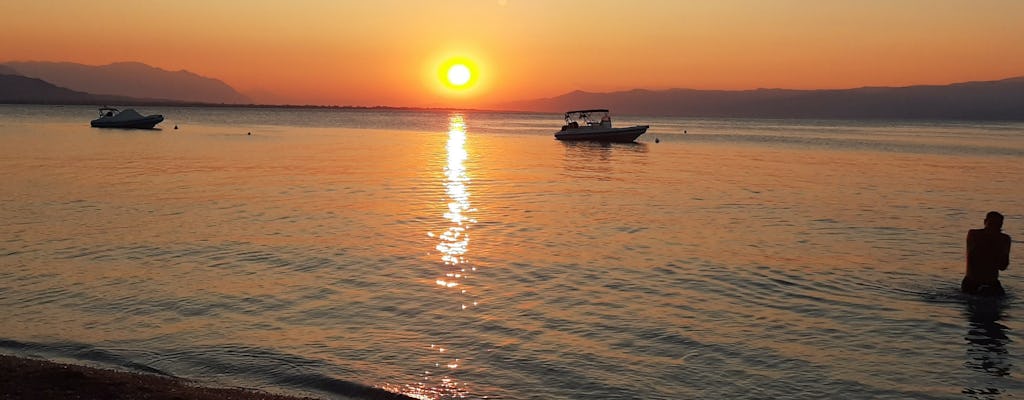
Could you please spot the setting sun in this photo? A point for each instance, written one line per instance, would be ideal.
(459, 75)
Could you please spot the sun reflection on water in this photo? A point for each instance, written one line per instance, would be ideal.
(453, 246)
(455, 240)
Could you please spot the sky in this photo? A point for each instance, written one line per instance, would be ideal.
(390, 52)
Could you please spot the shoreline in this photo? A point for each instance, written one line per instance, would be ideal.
(29, 378)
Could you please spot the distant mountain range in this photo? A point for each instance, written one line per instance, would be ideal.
(992, 100)
(129, 79)
(24, 90)
(131, 83)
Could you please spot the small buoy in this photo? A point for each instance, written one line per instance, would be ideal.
(656, 140)
(250, 134)
(175, 127)
(684, 131)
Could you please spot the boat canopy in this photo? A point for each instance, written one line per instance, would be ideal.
(586, 111)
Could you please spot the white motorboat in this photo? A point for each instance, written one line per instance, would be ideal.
(128, 118)
(579, 125)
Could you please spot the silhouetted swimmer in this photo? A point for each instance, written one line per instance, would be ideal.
(175, 127)
(656, 140)
(988, 252)
(250, 133)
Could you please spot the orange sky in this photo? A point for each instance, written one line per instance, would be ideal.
(386, 52)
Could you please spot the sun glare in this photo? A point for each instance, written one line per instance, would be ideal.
(459, 74)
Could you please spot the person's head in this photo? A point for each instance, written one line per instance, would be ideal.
(994, 220)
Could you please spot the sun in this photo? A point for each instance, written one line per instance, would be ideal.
(459, 75)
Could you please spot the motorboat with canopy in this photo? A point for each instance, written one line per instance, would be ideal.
(128, 118)
(581, 125)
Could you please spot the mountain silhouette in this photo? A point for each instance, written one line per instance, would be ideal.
(990, 100)
(131, 79)
(18, 89)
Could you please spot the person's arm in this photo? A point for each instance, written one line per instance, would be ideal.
(970, 245)
(1004, 256)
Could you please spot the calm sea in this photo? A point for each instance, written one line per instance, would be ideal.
(470, 255)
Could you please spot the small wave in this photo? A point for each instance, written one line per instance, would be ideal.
(281, 371)
(76, 352)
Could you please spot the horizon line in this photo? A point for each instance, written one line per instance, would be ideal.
(244, 93)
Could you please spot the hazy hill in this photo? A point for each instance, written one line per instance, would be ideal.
(5, 70)
(993, 100)
(131, 79)
(20, 89)
(17, 89)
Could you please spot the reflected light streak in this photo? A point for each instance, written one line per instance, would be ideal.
(453, 245)
(455, 241)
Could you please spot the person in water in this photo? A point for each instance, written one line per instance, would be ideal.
(988, 252)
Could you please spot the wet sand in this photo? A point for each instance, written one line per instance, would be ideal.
(22, 378)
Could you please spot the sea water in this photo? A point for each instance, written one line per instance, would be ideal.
(469, 255)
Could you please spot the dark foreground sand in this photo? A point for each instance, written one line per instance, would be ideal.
(22, 378)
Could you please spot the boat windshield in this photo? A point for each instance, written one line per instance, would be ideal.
(587, 117)
(108, 111)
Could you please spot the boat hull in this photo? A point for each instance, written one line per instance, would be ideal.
(614, 135)
(142, 123)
